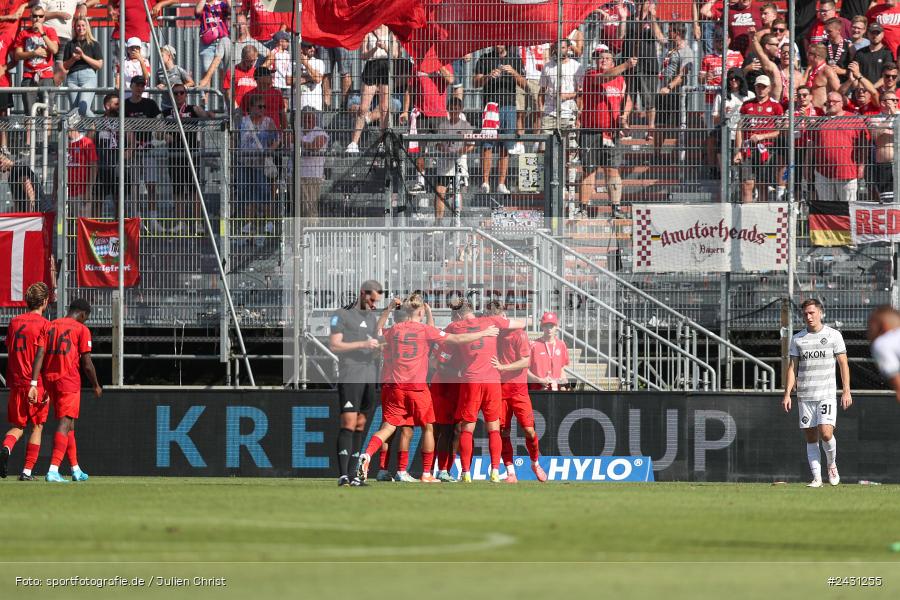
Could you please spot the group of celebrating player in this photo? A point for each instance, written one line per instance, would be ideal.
(478, 364)
(43, 368)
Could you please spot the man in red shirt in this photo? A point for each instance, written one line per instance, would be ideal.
(444, 389)
(405, 400)
(888, 16)
(817, 33)
(743, 16)
(25, 341)
(81, 163)
(549, 356)
(68, 350)
(35, 45)
(272, 98)
(480, 389)
(753, 142)
(11, 12)
(841, 151)
(605, 107)
(244, 80)
(136, 23)
(264, 23)
(428, 98)
(514, 356)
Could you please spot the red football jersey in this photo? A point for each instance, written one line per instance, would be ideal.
(67, 340)
(408, 344)
(603, 101)
(548, 360)
(36, 67)
(475, 357)
(445, 355)
(25, 335)
(762, 117)
(82, 157)
(513, 345)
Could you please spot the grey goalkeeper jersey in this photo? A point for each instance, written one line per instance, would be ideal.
(816, 359)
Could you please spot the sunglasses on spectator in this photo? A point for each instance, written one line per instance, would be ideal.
(40, 16)
(803, 95)
(888, 99)
(780, 29)
(179, 92)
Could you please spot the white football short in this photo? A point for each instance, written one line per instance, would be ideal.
(813, 414)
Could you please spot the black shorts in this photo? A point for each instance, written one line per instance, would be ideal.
(668, 112)
(883, 177)
(595, 154)
(643, 86)
(356, 396)
(375, 72)
(762, 172)
(6, 101)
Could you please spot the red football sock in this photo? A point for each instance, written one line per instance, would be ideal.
(533, 449)
(442, 460)
(374, 445)
(31, 455)
(60, 441)
(402, 460)
(427, 462)
(10, 442)
(451, 458)
(71, 450)
(383, 459)
(507, 451)
(495, 446)
(465, 450)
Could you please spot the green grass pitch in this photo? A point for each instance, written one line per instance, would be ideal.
(277, 537)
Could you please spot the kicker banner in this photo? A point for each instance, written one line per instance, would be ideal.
(707, 238)
(872, 222)
(24, 254)
(99, 252)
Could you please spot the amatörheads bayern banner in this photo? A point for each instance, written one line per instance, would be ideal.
(872, 222)
(709, 238)
(100, 250)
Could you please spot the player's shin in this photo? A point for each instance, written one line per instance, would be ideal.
(507, 451)
(531, 442)
(830, 447)
(813, 456)
(31, 456)
(60, 442)
(495, 446)
(466, 444)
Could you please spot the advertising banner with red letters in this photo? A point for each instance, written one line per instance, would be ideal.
(872, 222)
(710, 238)
(24, 254)
(100, 251)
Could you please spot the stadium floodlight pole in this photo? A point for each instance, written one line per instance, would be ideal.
(199, 188)
(119, 325)
(788, 311)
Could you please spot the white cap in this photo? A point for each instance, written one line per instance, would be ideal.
(763, 80)
(134, 41)
(170, 49)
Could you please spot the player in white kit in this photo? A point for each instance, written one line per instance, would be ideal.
(814, 352)
(884, 333)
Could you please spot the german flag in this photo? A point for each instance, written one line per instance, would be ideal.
(829, 223)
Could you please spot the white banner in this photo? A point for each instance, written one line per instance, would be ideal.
(708, 238)
(872, 222)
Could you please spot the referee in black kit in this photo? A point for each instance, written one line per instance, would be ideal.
(355, 340)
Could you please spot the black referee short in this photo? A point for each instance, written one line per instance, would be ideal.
(356, 397)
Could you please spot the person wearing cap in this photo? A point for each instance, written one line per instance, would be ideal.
(272, 98)
(176, 74)
(355, 339)
(278, 61)
(754, 141)
(137, 26)
(873, 57)
(887, 15)
(135, 64)
(82, 59)
(549, 356)
(311, 75)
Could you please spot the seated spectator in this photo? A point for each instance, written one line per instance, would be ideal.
(753, 142)
(244, 80)
(214, 34)
(314, 143)
(817, 33)
(873, 57)
(176, 75)
(377, 50)
(272, 98)
(858, 26)
(82, 59)
(820, 77)
(841, 152)
(135, 64)
(184, 192)
(35, 45)
(839, 50)
(81, 174)
(310, 69)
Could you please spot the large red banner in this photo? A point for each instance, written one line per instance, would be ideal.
(24, 254)
(100, 251)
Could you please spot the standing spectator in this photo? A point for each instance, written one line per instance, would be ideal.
(560, 81)
(24, 186)
(242, 39)
(804, 134)
(81, 172)
(138, 143)
(136, 23)
(784, 75)
(312, 163)
(176, 75)
(881, 130)
(710, 77)
(428, 100)
(817, 33)
(614, 17)
(9, 27)
(782, 36)
(259, 138)
(82, 59)
(605, 107)
(310, 69)
(449, 156)
(377, 50)
(499, 74)
(214, 34)
(839, 50)
(528, 97)
(858, 27)
(862, 102)
(727, 117)
(768, 14)
(640, 41)
(60, 15)
(107, 149)
(677, 65)
(743, 16)
(549, 357)
(271, 97)
(244, 80)
(35, 45)
(279, 62)
(753, 142)
(764, 59)
(873, 57)
(265, 23)
(820, 77)
(135, 64)
(184, 193)
(841, 151)
(888, 16)
(336, 59)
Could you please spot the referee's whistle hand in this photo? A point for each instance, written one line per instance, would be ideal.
(370, 344)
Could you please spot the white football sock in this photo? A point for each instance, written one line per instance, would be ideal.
(510, 469)
(26, 471)
(830, 448)
(54, 468)
(814, 458)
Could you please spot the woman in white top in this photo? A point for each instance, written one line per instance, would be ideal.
(738, 93)
(377, 50)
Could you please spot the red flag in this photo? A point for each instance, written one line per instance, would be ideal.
(345, 23)
(99, 252)
(24, 251)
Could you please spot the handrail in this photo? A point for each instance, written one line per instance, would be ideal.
(326, 350)
(685, 319)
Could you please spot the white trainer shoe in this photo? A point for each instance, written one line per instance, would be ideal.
(833, 477)
(352, 148)
(502, 189)
(815, 483)
(485, 189)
